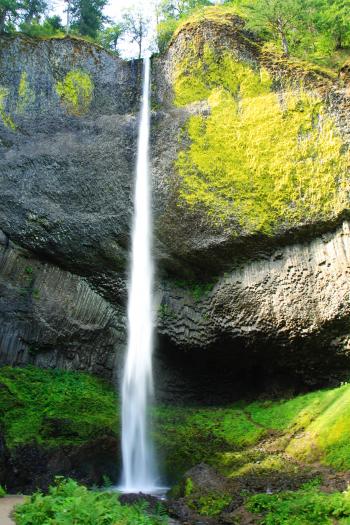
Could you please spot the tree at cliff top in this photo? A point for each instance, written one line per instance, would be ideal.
(279, 17)
(136, 24)
(33, 9)
(9, 12)
(87, 16)
(110, 36)
(336, 21)
(308, 28)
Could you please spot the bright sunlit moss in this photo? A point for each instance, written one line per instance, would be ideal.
(262, 159)
(76, 91)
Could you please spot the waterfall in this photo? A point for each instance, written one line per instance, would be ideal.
(139, 470)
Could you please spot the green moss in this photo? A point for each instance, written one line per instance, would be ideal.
(5, 117)
(54, 407)
(26, 95)
(76, 91)
(210, 504)
(261, 160)
(198, 290)
(309, 505)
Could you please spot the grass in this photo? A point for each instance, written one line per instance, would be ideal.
(309, 427)
(306, 506)
(54, 407)
(68, 503)
(58, 408)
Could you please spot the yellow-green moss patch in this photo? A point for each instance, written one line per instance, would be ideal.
(262, 160)
(26, 95)
(76, 91)
(5, 117)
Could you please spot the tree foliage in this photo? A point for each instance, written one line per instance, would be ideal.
(87, 16)
(110, 36)
(303, 27)
(136, 25)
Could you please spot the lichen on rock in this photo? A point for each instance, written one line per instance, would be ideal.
(76, 91)
(5, 117)
(263, 160)
(26, 95)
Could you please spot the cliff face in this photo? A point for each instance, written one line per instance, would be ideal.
(250, 169)
(67, 143)
(254, 196)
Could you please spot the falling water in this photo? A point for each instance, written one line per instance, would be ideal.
(139, 470)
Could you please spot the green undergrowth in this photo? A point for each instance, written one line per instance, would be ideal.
(68, 503)
(58, 408)
(258, 438)
(306, 506)
(262, 161)
(54, 408)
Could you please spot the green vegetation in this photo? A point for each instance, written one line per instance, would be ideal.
(306, 506)
(68, 503)
(26, 95)
(76, 91)
(53, 408)
(209, 504)
(5, 117)
(314, 30)
(2, 492)
(263, 163)
(58, 408)
(314, 426)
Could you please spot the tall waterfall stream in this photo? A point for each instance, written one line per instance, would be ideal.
(139, 467)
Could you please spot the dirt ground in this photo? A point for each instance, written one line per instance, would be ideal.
(6, 506)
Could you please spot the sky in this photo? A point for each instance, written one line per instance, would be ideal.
(114, 10)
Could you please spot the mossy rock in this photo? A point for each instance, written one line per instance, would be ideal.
(262, 161)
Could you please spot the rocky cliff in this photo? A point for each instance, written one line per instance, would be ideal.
(67, 142)
(250, 168)
(252, 213)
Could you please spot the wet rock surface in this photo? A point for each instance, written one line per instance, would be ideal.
(29, 467)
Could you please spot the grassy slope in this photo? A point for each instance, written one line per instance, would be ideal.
(314, 426)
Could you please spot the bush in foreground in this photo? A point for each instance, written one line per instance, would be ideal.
(69, 503)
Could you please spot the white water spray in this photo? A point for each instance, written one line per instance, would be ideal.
(139, 470)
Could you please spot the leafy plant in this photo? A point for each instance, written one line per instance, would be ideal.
(69, 503)
(306, 506)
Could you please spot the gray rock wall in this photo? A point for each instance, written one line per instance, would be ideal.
(53, 318)
(66, 182)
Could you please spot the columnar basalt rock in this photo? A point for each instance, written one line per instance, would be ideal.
(53, 318)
